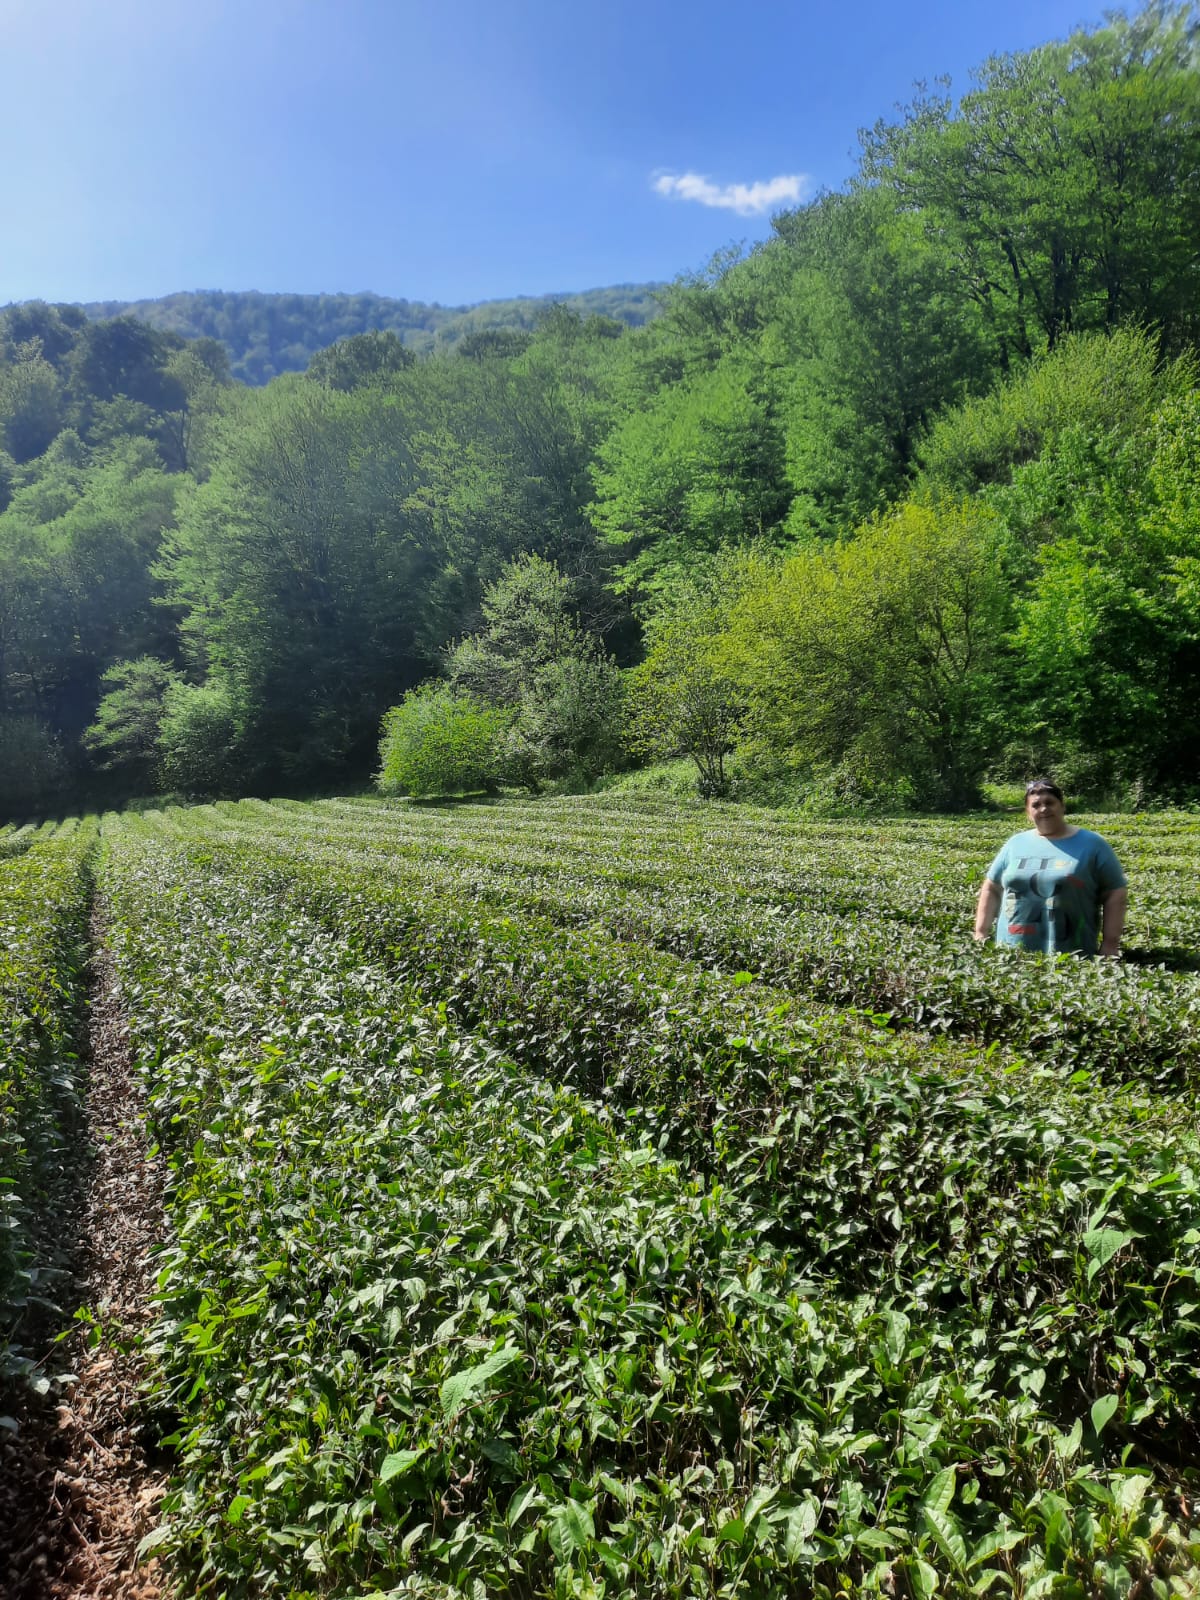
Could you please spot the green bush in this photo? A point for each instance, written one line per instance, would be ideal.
(198, 739)
(568, 723)
(439, 741)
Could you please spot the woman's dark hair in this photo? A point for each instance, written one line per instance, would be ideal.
(1043, 783)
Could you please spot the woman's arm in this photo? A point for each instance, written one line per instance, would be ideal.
(1112, 920)
(986, 908)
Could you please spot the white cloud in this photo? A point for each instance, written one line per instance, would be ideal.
(747, 199)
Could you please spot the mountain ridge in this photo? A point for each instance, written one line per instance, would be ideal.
(270, 333)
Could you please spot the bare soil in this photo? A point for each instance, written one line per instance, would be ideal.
(77, 1493)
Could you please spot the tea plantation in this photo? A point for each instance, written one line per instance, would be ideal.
(601, 1197)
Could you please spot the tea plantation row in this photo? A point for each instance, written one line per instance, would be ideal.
(799, 924)
(44, 895)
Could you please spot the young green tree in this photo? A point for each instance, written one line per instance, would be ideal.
(527, 623)
(532, 658)
(684, 699)
(125, 733)
(879, 656)
(569, 721)
(201, 744)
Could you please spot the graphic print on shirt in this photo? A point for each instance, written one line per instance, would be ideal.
(1033, 900)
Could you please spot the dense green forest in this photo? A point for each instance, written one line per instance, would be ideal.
(907, 496)
(268, 334)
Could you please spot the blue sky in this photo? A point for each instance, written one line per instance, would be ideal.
(450, 150)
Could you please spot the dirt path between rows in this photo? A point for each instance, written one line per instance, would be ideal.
(76, 1491)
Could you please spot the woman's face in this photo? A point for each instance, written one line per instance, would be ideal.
(1046, 811)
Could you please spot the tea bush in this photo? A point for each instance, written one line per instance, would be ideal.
(44, 895)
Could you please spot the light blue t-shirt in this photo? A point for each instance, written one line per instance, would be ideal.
(1053, 889)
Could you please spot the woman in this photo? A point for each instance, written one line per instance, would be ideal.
(1062, 887)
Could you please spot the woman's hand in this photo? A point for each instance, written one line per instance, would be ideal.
(986, 908)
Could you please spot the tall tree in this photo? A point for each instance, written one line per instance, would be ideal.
(363, 358)
(299, 570)
(699, 467)
(31, 402)
(1064, 187)
(870, 338)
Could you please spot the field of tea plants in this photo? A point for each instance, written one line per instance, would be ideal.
(601, 1197)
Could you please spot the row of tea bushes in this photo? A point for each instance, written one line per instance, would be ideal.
(813, 939)
(436, 1324)
(15, 841)
(44, 898)
(921, 871)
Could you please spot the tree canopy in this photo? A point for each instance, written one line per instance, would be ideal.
(903, 496)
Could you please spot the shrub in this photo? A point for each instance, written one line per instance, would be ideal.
(439, 741)
(569, 722)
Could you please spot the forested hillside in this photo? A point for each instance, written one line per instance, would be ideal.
(267, 334)
(907, 496)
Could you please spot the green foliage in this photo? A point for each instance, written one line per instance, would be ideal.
(1062, 184)
(88, 567)
(683, 698)
(665, 778)
(532, 658)
(363, 358)
(101, 419)
(492, 344)
(502, 453)
(439, 740)
(699, 468)
(878, 656)
(569, 721)
(528, 623)
(1107, 638)
(125, 733)
(299, 576)
(1092, 385)
(873, 337)
(31, 766)
(31, 403)
(200, 748)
